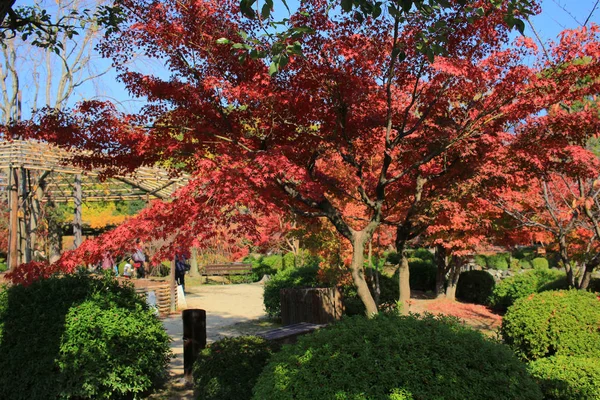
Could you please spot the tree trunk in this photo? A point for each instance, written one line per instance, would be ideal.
(357, 266)
(453, 280)
(194, 271)
(564, 256)
(77, 221)
(404, 283)
(442, 268)
(587, 276)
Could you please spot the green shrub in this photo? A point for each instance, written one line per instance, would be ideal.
(567, 378)
(393, 258)
(397, 357)
(594, 285)
(3, 266)
(562, 323)
(539, 263)
(274, 262)
(289, 278)
(525, 264)
(475, 287)
(422, 274)
(524, 253)
(79, 337)
(481, 260)
(289, 260)
(229, 368)
(423, 254)
(510, 289)
(258, 269)
(498, 261)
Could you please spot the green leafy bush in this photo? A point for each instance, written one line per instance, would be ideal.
(229, 368)
(274, 262)
(594, 285)
(481, 260)
(510, 289)
(498, 261)
(475, 287)
(423, 254)
(525, 264)
(524, 253)
(79, 337)
(289, 278)
(422, 274)
(289, 260)
(565, 322)
(567, 378)
(539, 263)
(3, 267)
(393, 258)
(403, 356)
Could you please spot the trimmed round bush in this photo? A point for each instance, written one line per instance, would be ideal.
(540, 263)
(567, 378)
(475, 287)
(423, 254)
(510, 289)
(303, 277)
(422, 274)
(79, 337)
(562, 323)
(229, 368)
(396, 357)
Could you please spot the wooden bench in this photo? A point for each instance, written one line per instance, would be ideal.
(289, 334)
(227, 270)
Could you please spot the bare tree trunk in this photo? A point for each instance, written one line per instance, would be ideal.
(357, 266)
(587, 274)
(194, 271)
(455, 270)
(404, 284)
(442, 269)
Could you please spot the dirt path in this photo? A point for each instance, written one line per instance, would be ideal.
(231, 310)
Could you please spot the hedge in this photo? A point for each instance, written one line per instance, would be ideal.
(401, 357)
(475, 287)
(562, 323)
(568, 378)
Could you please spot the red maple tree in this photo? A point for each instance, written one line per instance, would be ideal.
(358, 129)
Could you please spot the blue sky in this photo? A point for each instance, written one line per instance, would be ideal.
(556, 15)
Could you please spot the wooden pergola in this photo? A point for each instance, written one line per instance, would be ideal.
(35, 173)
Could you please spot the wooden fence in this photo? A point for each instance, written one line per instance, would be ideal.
(314, 305)
(163, 295)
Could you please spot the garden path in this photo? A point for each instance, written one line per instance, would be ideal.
(229, 309)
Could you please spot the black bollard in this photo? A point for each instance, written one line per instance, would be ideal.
(194, 338)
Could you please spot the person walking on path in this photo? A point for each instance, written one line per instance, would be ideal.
(139, 259)
(180, 268)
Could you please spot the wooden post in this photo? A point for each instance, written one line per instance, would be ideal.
(173, 286)
(77, 222)
(24, 222)
(13, 245)
(194, 338)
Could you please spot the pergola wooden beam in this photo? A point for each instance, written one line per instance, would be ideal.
(57, 179)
